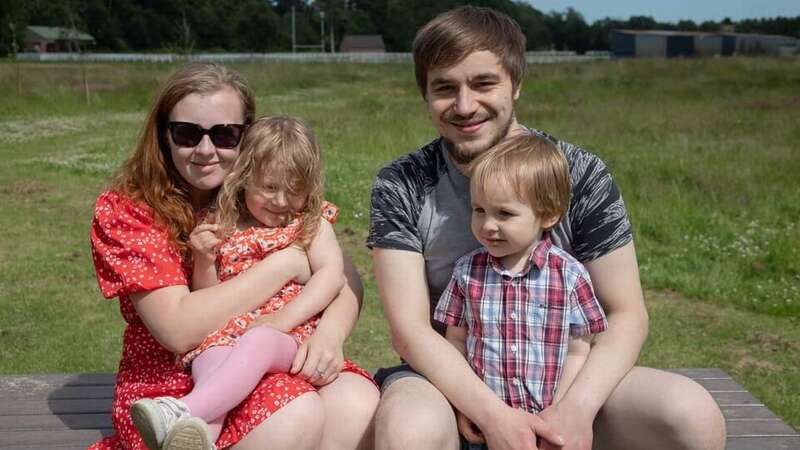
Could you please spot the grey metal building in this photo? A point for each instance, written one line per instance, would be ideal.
(670, 44)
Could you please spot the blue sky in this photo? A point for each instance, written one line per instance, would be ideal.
(674, 10)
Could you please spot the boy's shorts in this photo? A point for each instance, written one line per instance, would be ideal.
(388, 375)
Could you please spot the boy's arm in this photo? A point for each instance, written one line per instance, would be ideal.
(327, 279)
(458, 337)
(577, 352)
(203, 241)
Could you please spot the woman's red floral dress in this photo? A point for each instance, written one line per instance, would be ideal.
(133, 254)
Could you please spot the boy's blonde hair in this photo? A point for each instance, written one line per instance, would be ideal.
(531, 165)
(285, 144)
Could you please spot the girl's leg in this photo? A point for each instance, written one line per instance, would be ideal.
(259, 351)
(350, 403)
(203, 367)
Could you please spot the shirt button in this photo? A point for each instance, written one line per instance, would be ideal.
(515, 380)
(513, 315)
(513, 348)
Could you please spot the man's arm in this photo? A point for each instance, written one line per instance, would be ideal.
(400, 277)
(615, 277)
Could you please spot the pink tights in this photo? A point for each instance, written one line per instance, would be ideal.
(225, 375)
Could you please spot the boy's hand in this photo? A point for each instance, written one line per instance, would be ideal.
(469, 430)
(204, 241)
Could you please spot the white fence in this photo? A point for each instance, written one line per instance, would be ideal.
(544, 57)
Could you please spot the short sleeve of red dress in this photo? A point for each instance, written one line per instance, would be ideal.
(130, 252)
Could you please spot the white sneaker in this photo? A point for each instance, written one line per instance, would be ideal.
(155, 417)
(189, 434)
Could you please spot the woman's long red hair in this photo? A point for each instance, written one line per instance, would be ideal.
(149, 175)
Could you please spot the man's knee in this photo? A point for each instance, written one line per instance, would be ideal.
(413, 414)
(694, 417)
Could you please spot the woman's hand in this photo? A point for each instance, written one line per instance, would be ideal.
(319, 359)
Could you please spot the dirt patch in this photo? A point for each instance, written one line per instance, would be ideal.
(745, 362)
(24, 187)
(772, 343)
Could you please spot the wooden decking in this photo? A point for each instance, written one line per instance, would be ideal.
(71, 412)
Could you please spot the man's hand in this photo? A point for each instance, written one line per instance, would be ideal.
(574, 425)
(520, 430)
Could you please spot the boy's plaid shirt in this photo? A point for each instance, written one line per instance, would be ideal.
(519, 325)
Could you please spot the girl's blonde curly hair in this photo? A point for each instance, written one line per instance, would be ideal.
(283, 144)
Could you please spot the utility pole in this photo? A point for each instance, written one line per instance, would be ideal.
(294, 36)
(322, 31)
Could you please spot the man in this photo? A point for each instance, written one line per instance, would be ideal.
(469, 65)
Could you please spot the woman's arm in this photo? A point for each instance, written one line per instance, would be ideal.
(327, 279)
(323, 349)
(179, 319)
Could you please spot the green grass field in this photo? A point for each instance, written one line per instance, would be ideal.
(704, 151)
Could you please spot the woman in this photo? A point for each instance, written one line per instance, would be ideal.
(139, 245)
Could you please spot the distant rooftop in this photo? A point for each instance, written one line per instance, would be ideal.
(59, 33)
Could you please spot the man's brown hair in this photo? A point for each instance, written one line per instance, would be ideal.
(531, 165)
(453, 35)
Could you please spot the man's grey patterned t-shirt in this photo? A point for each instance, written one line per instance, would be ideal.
(421, 203)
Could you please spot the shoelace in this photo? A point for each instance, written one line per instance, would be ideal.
(173, 410)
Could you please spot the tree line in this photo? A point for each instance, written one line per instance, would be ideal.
(266, 25)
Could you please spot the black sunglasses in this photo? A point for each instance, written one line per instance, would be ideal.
(187, 134)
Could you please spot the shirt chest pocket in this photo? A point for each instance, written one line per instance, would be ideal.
(543, 320)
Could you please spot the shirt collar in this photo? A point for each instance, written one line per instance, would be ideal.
(537, 258)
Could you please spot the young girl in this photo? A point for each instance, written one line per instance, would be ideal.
(271, 199)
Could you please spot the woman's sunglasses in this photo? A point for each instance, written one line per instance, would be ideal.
(187, 134)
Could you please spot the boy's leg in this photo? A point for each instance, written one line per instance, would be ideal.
(259, 351)
(652, 409)
(412, 413)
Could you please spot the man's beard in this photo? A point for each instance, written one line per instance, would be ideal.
(462, 157)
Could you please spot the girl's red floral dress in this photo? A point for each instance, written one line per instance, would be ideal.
(133, 254)
(238, 253)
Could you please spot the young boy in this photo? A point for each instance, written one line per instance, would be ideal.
(520, 309)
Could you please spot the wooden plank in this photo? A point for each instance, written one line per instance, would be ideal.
(758, 427)
(764, 443)
(51, 439)
(53, 422)
(747, 411)
(735, 398)
(701, 373)
(45, 406)
(65, 392)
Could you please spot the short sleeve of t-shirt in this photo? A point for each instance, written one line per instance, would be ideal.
(131, 254)
(598, 220)
(397, 198)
